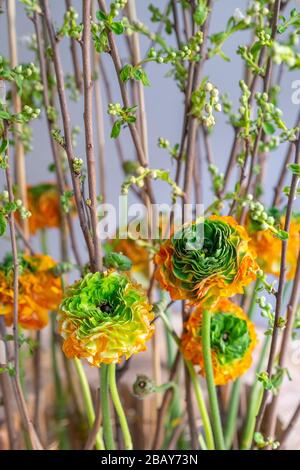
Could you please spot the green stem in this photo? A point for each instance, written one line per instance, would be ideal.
(44, 241)
(213, 399)
(232, 414)
(202, 408)
(105, 405)
(118, 406)
(88, 403)
(253, 299)
(254, 401)
(235, 392)
(197, 390)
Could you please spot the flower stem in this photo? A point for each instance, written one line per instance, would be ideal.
(213, 400)
(88, 401)
(254, 401)
(118, 406)
(232, 413)
(107, 425)
(202, 408)
(235, 392)
(197, 389)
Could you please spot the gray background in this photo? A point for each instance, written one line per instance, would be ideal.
(164, 104)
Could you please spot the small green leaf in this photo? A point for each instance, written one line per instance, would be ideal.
(294, 168)
(117, 261)
(126, 73)
(117, 27)
(282, 235)
(3, 146)
(2, 224)
(145, 79)
(100, 15)
(4, 115)
(131, 119)
(115, 132)
(130, 167)
(269, 128)
(200, 14)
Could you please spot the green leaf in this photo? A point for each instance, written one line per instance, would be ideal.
(130, 167)
(117, 261)
(117, 27)
(145, 79)
(282, 235)
(140, 75)
(126, 73)
(131, 119)
(115, 132)
(3, 146)
(200, 14)
(2, 224)
(269, 128)
(100, 15)
(4, 115)
(294, 168)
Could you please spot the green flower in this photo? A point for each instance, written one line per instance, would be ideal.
(230, 337)
(219, 266)
(105, 317)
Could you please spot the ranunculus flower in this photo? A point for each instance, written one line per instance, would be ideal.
(44, 205)
(104, 317)
(40, 291)
(233, 339)
(221, 267)
(268, 247)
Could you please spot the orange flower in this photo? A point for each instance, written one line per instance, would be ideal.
(221, 266)
(268, 248)
(45, 207)
(233, 339)
(40, 291)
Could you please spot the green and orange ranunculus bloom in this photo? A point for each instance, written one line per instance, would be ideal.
(220, 267)
(105, 317)
(232, 336)
(40, 290)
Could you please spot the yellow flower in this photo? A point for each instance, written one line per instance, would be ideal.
(233, 339)
(40, 291)
(221, 266)
(268, 248)
(104, 317)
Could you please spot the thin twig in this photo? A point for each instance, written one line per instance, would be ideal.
(282, 174)
(281, 283)
(99, 120)
(140, 88)
(20, 167)
(291, 425)
(50, 124)
(67, 128)
(35, 442)
(270, 424)
(75, 58)
(159, 431)
(88, 125)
